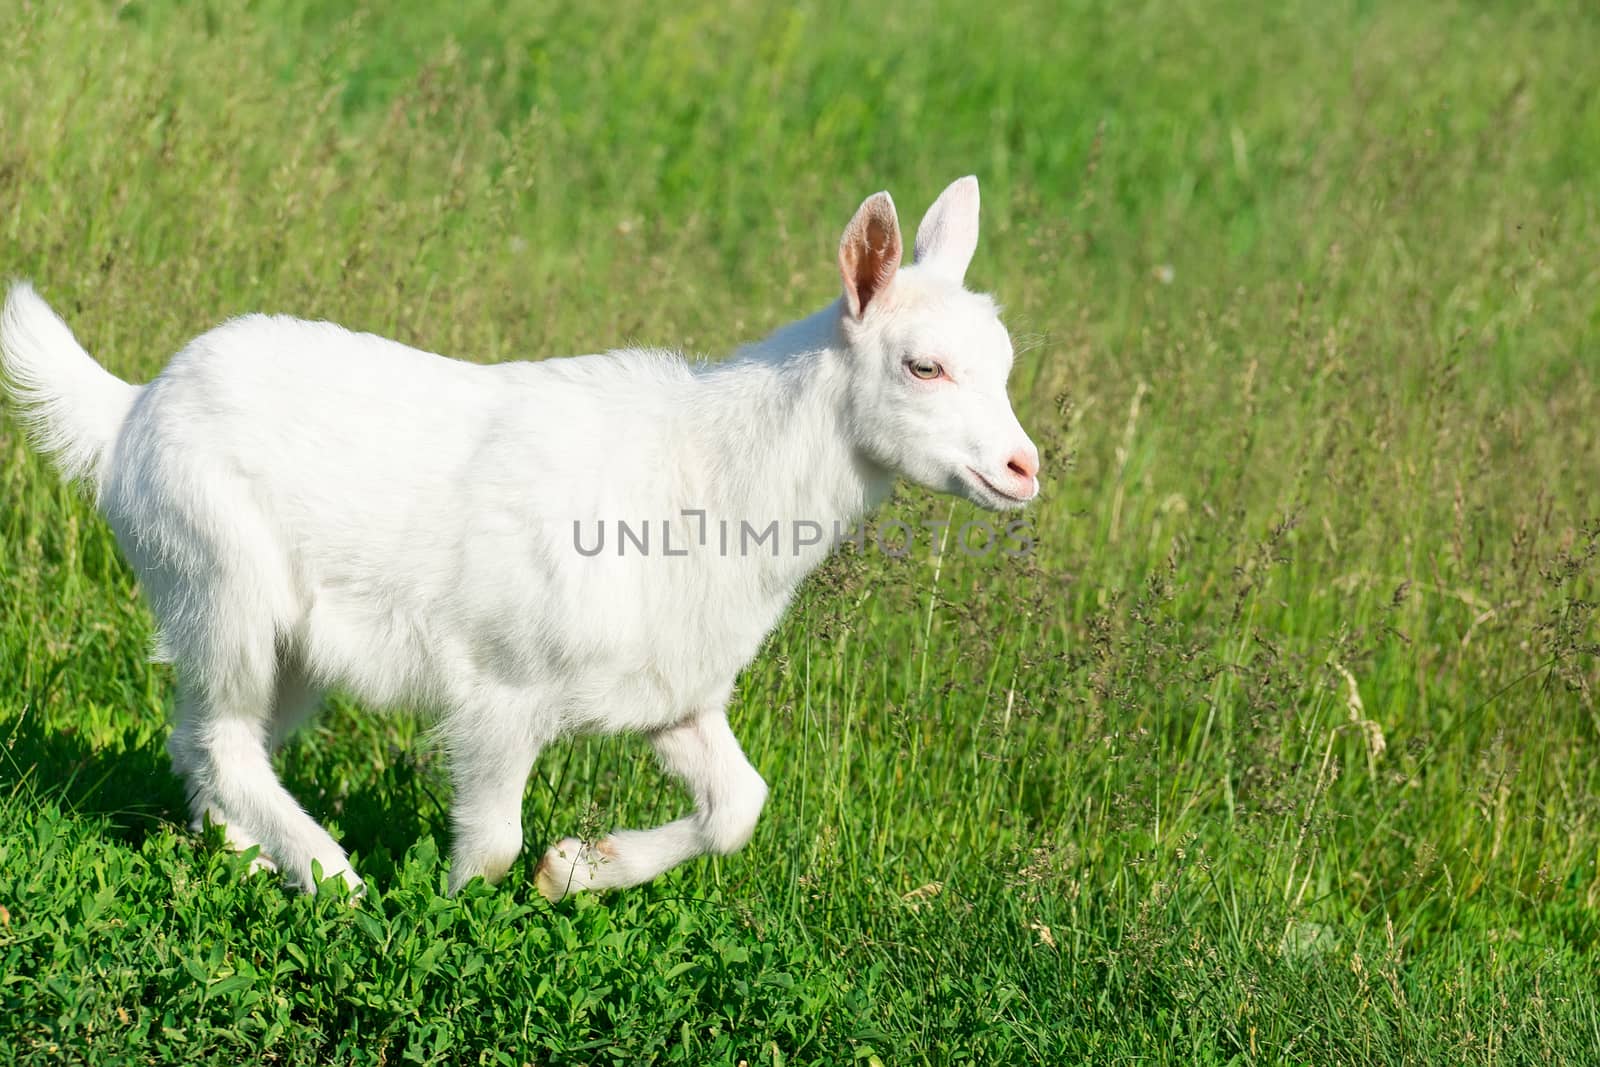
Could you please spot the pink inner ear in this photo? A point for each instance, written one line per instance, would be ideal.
(869, 255)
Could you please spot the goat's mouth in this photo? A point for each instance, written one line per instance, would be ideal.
(1006, 498)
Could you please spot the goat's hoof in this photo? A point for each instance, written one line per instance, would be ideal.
(563, 869)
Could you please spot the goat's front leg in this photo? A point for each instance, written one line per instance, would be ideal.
(491, 755)
(728, 793)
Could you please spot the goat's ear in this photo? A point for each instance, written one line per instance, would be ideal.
(949, 232)
(869, 253)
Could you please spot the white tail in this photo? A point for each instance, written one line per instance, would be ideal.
(72, 406)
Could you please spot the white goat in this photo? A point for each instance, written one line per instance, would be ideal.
(310, 508)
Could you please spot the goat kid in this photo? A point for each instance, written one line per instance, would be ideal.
(310, 508)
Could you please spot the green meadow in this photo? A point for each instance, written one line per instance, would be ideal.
(1282, 745)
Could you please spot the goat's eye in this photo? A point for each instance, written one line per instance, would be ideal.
(926, 369)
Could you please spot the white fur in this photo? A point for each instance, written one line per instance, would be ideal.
(310, 508)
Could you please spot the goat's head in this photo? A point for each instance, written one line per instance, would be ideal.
(930, 359)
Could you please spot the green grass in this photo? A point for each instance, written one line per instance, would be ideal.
(1282, 746)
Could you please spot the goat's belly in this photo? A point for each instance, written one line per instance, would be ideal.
(519, 642)
(658, 693)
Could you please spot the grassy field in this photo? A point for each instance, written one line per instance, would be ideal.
(1283, 747)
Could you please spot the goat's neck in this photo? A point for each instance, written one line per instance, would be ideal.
(778, 416)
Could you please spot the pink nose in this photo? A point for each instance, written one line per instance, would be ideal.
(1024, 464)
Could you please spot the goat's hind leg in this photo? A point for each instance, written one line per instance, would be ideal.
(729, 795)
(220, 746)
(491, 755)
(295, 700)
(188, 751)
